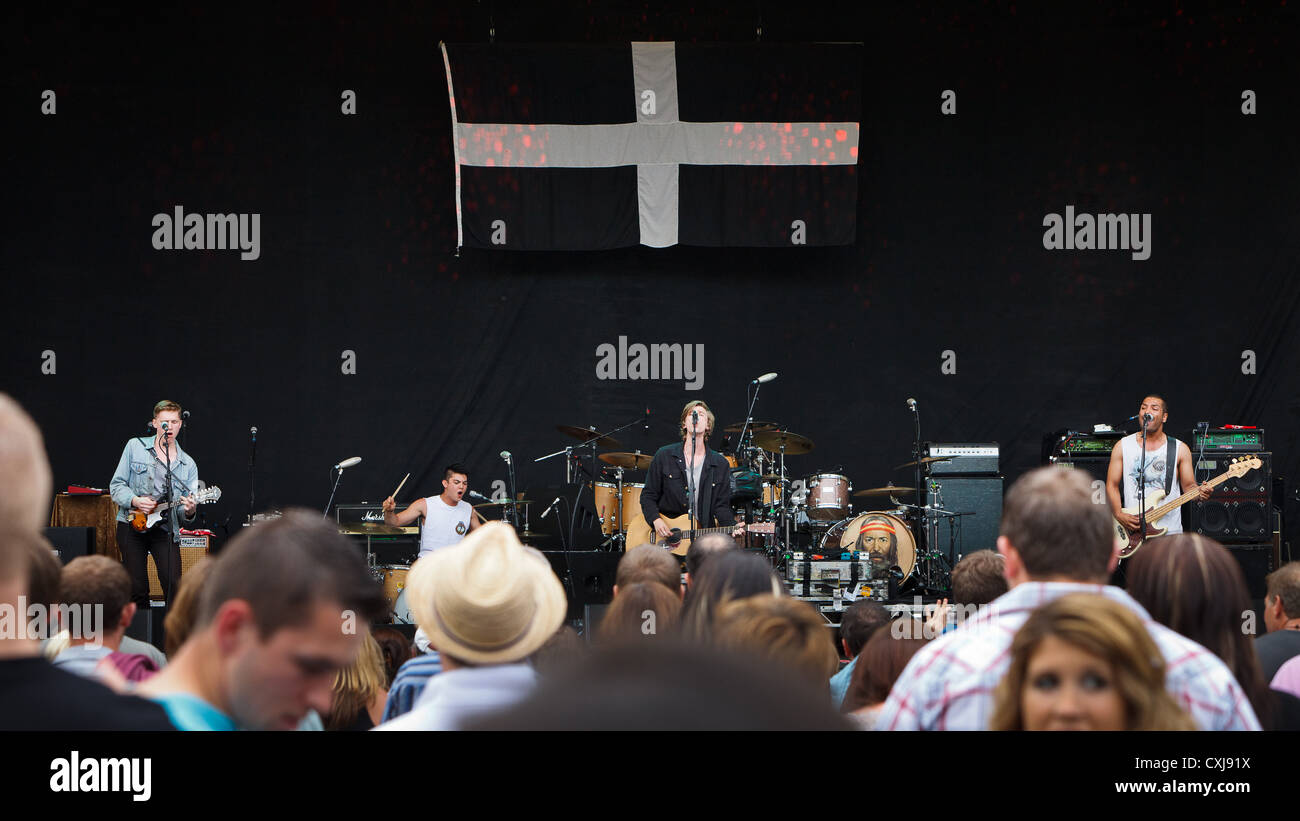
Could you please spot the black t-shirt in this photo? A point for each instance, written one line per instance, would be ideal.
(35, 695)
(1275, 649)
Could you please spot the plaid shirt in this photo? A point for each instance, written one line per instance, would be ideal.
(950, 683)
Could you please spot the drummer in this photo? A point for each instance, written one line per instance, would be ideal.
(447, 516)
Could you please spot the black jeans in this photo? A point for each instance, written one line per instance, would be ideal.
(166, 556)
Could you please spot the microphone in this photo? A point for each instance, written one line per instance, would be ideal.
(347, 463)
(164, 425)
(505, 454)
(1146, 418)
(253, 433)
(551, 506)
(764, 379)
(911, 404)
(478, 495)
(1131, 418)
(185, 414)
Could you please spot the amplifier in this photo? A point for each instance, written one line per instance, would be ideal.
(193, 548)
(1249, 440)
(1239, 509)
(965, 458)
(840, 573)
(360, 518)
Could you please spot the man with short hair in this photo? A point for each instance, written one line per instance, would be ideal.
(1130, 469)
(979, 578)
(151, 472)
(98, 588)
(1281, 618)
(447, 516)
(647, 563)
(33, 694)
(1055, 541)
(283, 610)
(860, 621)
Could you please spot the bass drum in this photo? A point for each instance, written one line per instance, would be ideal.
(843, 537)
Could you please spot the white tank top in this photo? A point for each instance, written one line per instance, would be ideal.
(443, 525)
(1155, 478)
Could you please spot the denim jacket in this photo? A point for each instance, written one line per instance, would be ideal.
(134, 476)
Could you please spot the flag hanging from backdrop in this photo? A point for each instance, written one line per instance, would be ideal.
(595, 147)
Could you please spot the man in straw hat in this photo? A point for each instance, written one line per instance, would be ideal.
(487, 604)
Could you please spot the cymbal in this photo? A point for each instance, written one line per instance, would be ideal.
(371, 529)
(755, 427)
(795, 444)
(635, 461)
(588, 434)
(502, 502)
(889, 490)
(927, 460)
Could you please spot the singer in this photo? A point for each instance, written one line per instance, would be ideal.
(447, 516)
(1126, 468)
(140, 484)
(689, 470)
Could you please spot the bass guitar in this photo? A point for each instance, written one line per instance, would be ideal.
(1157, 506)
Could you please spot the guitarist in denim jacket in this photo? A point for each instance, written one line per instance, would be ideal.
(140, 484)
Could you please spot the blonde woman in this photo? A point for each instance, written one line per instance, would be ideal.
(1084, 662)
(360, 690)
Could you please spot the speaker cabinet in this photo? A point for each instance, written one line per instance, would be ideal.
(1239, 510)
(980, 498)
(71, 542)
(1256, 562)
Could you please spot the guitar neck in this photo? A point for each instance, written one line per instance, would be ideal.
(1160, 512)
(692, 534)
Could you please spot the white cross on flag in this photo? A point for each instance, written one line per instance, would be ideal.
(594, 147)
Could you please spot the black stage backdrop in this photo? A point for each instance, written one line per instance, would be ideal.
(227, 109)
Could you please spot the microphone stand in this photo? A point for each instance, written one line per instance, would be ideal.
(252, 458)
(916, 457)
(330, 503)
(1142, 486)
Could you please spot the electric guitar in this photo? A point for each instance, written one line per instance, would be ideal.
(639, 532)
(141, 521)
(1157, 507)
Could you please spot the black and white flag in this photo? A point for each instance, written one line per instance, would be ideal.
(594, 147)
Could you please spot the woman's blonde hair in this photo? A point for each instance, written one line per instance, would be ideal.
(358, 684)
(1111, 632)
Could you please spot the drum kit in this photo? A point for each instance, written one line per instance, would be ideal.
(812, 514)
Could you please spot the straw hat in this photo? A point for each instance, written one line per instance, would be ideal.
(488, 599)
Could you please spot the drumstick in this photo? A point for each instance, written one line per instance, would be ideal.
(399, 487)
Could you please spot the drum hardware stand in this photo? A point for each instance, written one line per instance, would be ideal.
(570, 459)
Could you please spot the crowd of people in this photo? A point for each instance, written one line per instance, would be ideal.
(283, 630)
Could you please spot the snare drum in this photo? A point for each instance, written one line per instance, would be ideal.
(828, 496)
(881, 534)
(394, 578)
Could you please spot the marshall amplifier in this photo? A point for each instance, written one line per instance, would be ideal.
(358, 519)
(963, 458)
(389, 544)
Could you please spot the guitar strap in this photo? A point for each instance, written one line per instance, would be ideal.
(1171, 461)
